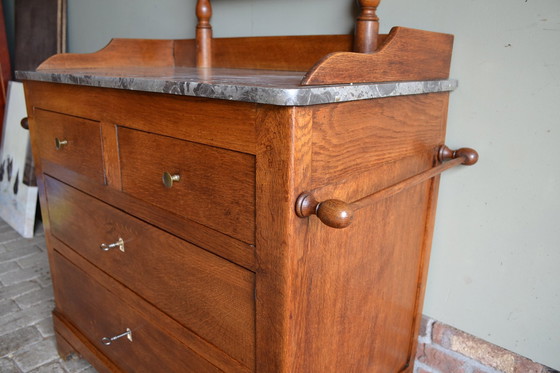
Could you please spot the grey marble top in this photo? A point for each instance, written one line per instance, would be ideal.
(259, 86)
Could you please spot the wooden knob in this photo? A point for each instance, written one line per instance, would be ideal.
(203, 13)
(469, 155)
(335, 213)
(24, 123)
(204, 34)
(366, 5)
(332, 212)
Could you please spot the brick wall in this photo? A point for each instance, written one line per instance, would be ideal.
(444, 349)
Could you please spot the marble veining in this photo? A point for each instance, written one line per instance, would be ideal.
(259, 86)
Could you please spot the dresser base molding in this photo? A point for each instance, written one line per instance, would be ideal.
(65, 350)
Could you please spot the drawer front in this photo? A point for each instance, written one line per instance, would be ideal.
(71, 142)
(211, 296)
(225, 124)
(216, 186)
(98, 314)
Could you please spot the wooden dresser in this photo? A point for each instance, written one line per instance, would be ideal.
(178, 179)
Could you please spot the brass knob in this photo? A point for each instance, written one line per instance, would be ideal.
(58, 143)
(169, 179)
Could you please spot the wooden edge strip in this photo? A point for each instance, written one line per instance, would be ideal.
(118, 53)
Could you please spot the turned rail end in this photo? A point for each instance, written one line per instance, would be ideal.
(469, 155)
(332, 212)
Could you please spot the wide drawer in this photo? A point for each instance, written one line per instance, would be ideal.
(215, 187)
(209, 295)
(99, 315)
(71, 142)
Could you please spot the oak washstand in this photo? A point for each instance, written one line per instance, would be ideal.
(258, 204)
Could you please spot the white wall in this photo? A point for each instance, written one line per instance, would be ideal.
(496, 254)
(91, 24)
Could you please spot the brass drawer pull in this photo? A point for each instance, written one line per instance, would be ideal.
(108, 340)
(58, 143)
(119, 244)
(169, 179)
(339, 214)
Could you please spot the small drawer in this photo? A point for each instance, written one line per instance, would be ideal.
(71, 142)
(209, 295)
(212, 186)
(117, 330)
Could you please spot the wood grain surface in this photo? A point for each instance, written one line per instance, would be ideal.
(151, 313)
(217, 187)
(81, 154)
(355, 137)
(292, 53)
(206, 294)
(115, 317)
(406, 54)
(283, 161)
(118, 53)
(357, 299)
(225, 124)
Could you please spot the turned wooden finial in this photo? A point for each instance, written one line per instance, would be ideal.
(367, 27)
(203, 34)
(470, 156)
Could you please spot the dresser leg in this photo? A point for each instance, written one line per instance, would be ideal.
(65, 350)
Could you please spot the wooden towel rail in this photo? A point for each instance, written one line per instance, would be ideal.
(339, 214)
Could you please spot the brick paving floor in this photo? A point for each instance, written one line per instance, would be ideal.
(27, 342)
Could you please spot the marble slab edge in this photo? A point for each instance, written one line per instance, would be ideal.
(280, 96)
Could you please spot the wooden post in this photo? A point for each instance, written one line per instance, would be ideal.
(367, 27)
(203, 34)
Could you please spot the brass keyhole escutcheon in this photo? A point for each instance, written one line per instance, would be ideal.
(108, 340)
(169, 179)
(119, 244)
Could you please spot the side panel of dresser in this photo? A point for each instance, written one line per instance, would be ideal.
(349, 298)
(384, 254)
